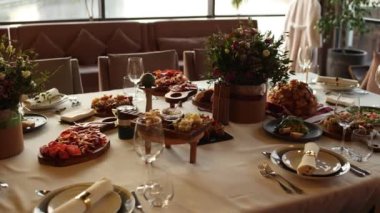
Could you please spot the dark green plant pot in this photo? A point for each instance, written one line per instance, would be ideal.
(338, 61)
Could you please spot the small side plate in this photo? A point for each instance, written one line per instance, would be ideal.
(38, 119)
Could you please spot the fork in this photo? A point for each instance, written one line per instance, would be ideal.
(265, 173)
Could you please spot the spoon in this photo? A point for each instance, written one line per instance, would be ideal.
(269, 170)
(265, 173)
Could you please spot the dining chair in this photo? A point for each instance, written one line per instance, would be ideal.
(113, 67)
(195, 64)
(369, 80)
(65, 74)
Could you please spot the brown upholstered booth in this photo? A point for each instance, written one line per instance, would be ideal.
(65, 74)
(113, 67)
(82, 40)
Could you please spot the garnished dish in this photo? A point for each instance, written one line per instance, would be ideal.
(45, 100)
(32, 121)
(74, 145)
(295, 97)
(293, 129)
(203, 99)
(331, 127)
(293, 126)
(167, 78)
(103, 106)
(368, 114)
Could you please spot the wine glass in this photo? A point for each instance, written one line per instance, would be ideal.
(149, 142)
(360, 147)
(305, 59)
(377, 76)
(345, 118)
(135, 70)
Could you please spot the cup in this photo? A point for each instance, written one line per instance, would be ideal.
(360, 147)
(159, 190)
(124, 116)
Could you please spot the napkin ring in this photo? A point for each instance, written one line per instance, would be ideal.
(85, 198)
(310, 153)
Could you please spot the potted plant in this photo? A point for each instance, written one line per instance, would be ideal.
(16, 78)
(340, 19)
(246, 59)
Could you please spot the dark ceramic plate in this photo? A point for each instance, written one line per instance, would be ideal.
(39, 121)
(314, 133)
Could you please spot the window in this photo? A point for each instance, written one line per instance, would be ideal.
(155, 8)
(252, 7)
(43, 10)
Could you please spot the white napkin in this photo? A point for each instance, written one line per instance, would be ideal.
(77, 115)
(344, 101)
(96, 191)
(43, 97)
(308, 163)
(333, 81)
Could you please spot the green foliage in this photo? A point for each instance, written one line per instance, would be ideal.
(17, 76)
(247, 57)
(346, 15)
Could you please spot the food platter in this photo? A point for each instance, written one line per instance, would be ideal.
(329, 163)
(127, 200)
(315, 131)
(55, 101)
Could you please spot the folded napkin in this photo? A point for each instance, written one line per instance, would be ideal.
(43, 97)
(344, 101)
(308, 163)
(87, 198)
(337, 81)
(77, 115)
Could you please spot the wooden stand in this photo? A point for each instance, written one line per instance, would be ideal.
(148, 95)
(193, 141)
(221, 103)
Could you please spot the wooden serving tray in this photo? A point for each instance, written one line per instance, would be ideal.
(73, 159)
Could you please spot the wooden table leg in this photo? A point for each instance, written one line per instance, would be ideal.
(193, 152)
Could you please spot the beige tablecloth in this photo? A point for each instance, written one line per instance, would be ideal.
(224, 179)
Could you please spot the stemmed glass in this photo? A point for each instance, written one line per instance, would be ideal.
(377, 76)
(345, 119)
(149, 143)
(135, 70)
(305, 60)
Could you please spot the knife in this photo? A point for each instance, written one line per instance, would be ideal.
(366, 172)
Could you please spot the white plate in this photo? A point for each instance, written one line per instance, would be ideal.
(327, 164)
(59, 99)
(109, 203)
(340, 87)
(125, 200)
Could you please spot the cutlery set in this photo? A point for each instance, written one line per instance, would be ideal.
(290, 188)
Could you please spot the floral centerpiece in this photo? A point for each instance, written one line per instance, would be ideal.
(16, 75)
(16, 79)
(244, 60)
(247, 57)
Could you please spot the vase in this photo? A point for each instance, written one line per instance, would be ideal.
(11, 135)
(247, 103)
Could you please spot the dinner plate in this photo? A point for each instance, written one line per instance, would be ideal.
(57, 100)
(39, 121)
(326, 163)
(340, 87)
(52, 198)
(326, 159)
(315, 131)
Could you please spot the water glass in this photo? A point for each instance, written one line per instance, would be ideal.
(360, 147)
(305, 59)
(159, 190)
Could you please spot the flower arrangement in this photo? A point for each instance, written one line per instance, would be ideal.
(247, 57)
(16, 75)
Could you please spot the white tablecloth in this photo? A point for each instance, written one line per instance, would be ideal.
(224, 179)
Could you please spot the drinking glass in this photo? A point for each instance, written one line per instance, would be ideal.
(135, 70)
(305, 59)
(345, 119)
(149, 143)
(377, 76)
(360, 146)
